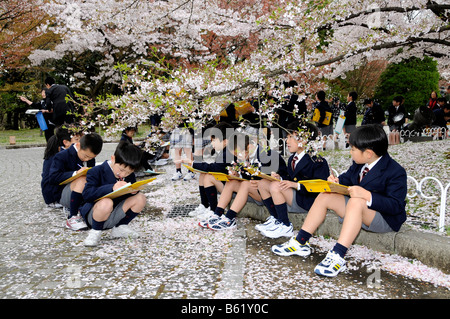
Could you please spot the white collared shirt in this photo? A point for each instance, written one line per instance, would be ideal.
(370, 166)
(299, 158)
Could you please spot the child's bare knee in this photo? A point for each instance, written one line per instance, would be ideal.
(275, 187)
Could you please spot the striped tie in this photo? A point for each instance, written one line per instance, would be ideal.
(364, 173)
(293, 162)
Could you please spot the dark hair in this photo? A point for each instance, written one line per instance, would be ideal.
(52, 147)
(62, 134)
(222, 131)
(398, 99)
(128, 154)
(93, 142)
(368, 101)
(441, 99)
(353, 95)
(370, 136)
(321, 95)
(49, 80)
(306, 126)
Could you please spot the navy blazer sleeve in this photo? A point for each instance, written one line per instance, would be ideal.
(220, 165)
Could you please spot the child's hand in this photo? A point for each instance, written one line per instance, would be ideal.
(359, 192)
(333, 179)
(284, 185)
(275, 175)
(82, 169)
(119, 184)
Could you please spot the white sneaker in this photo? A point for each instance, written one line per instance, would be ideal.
(76, 223)
(270, 221)
(279, 230)
(55, 205)
(292, 247)
(93, 238)
(332, 265)
(206, 213)
(177, 176)
(189, 176)
(124, 231)
(197, 211)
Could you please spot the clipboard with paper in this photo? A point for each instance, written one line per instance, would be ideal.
(194, 170)
(261, 175)
(128, 188)
(225, 177)
(74, 177)
(320, 186)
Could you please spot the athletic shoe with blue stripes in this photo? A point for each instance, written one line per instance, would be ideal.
(210, 220)
(223, 223)
(331, 266)
(292, 247)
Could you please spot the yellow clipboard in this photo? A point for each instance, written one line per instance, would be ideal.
(194, 170)
(74, 177)
(225, 178)
(129, 188)
(320, 185)
(262, 175)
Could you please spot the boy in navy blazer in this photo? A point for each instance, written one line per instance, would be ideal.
(247, 151)
(376, 201)
(207, 184)
(288, 195)
(103, 179)
(78, 157)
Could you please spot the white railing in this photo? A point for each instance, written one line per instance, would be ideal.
(443, 196)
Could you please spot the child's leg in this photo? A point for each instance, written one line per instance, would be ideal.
(201, 188)
(177, 158)
(356, 213)
(244, 190)
(226, 195)
(212, 186)
(318, 212)
(281, 198)
(100, 213)
(132, 207)
(264, 191)
(76, 197)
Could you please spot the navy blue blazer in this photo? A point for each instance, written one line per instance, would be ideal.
(64, 164)
(388, 185)
(49, 191)
(307, 168)
(223, 159)
(100, 181)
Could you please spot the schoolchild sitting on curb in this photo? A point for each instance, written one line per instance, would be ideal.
(376, 200)
(288, 195)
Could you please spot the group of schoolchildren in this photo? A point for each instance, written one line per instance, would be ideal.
(376, 200)
(377, 187)
(70, 152)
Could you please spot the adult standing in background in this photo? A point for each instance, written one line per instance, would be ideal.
(46, 111)
(350, 113)
(56, 96)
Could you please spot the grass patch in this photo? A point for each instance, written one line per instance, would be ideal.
(35, 136)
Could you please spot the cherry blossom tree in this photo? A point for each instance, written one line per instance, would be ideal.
(289, 40)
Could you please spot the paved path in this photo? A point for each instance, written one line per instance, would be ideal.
(173, 258)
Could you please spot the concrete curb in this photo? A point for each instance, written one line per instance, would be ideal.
(431, 249)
